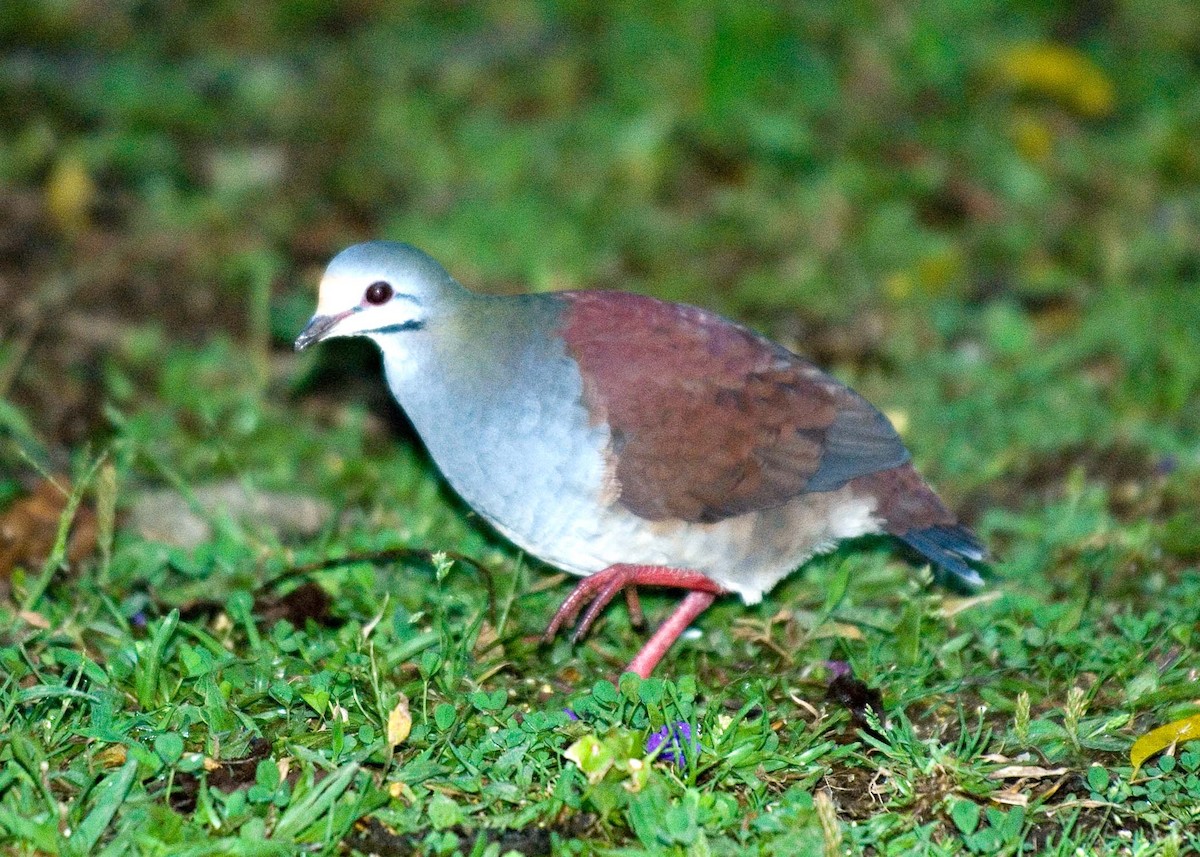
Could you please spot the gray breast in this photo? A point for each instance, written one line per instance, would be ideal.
(507, 427)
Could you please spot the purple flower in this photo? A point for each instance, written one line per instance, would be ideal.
(1166, 465)
(571, 715)
(674, 735)
(837, 669)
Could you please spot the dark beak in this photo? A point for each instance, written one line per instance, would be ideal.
(316, 329)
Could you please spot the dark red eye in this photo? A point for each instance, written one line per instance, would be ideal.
(378, 293)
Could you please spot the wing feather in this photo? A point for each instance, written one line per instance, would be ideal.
(709, 420)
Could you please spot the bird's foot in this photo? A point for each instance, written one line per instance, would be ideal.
(597, 590)
(692, 605)
(600, 588)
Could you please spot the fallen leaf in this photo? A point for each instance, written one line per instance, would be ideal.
(1060, 72)
(1011, 798)
(37, 620)
(399, 722)
(1157, 740)
(112, 756)
(899, 420)
(402, 791)
(1012, 772)
(1050, 792)
(951, 606)
(1076, 804)
(70, 191)
(29, 528)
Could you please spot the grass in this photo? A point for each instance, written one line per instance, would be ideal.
(244, 615)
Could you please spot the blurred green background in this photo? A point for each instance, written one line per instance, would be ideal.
(862, 180)
(983, 215)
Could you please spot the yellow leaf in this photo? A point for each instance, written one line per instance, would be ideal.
(112, 756)
(937, 270)
(1157, 740)
(1059, 72)
(402, 791)
(69, 194)
(399, 722)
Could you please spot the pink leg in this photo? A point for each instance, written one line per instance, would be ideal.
(693, 604)
(601, 587)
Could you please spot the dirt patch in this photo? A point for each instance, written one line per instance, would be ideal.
(372, 836)
(229, 775)
(855, 792)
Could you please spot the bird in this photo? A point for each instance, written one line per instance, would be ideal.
(634, 441)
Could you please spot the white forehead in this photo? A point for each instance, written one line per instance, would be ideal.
(405, 268)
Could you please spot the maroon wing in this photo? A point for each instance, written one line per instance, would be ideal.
(708, 419)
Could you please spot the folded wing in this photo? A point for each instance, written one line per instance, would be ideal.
(708, 420)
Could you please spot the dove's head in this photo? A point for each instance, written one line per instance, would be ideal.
(377, 289)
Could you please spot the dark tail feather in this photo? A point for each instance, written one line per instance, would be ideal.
(949, 547)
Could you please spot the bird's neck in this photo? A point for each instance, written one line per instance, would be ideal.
(473, 349)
